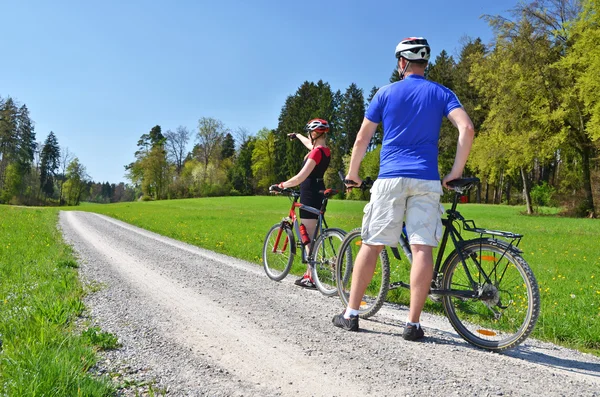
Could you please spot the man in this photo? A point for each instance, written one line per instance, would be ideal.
(408, 184)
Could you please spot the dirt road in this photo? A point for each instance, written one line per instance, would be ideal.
(196, 323)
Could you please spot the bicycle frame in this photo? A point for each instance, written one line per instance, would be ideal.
(291, 221)
(451, 233)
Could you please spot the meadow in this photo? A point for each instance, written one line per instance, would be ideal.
(563, 252)
(45, 351)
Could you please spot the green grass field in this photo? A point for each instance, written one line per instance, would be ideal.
(564, 253)
(42, 354)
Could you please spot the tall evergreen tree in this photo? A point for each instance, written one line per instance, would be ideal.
(240, 174)
(49, 161)
(8, 136)
(228, 146)
(378, 135)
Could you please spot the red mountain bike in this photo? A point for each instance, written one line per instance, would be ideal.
(283, 240)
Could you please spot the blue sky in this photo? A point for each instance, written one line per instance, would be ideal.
(101, 74)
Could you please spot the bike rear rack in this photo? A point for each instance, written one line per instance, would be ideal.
(514, 238)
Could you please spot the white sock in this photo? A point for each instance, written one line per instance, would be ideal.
(350, 312)
(418, 325)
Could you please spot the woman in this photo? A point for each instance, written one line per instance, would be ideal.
(310, 179)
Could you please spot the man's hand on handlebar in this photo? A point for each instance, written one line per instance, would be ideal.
(352, 181)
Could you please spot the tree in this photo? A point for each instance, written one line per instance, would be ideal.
(8, 136)
(65, 160)
(377, 139)
(26, 145)
(151, 169)
(442, 70)
(210, 134)
(76, 182)
(524, 93)
(49, 161)
(227, 146)
(240, 174)
(263, 159)
(582, 65)
(351, 114)
(176, 144)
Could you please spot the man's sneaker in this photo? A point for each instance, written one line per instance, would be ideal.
(412, 332)
(305, 282)
(349, 324)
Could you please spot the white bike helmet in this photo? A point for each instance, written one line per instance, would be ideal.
(413, 49)
(319, 125)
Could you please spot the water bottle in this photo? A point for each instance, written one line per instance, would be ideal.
(304, 235)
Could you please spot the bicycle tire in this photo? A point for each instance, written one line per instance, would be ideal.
(508, 312)
(377, 289)
(326, 250)
(278, 264)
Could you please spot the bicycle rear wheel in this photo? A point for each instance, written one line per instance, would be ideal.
(326, 251)
(508, 308)
(377, 289)
(278, 252)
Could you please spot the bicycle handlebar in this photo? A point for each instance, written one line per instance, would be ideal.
(295, 193)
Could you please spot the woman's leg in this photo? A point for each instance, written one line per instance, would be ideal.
(310, 225)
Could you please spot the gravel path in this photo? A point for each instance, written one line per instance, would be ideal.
(196, 323)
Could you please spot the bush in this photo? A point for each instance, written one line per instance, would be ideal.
(542, 195)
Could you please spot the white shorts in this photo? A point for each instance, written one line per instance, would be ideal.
(394, 199)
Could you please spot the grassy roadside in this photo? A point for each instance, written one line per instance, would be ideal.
(564, 253)
(40, 297)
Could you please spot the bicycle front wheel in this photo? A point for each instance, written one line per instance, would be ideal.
(278, 252)
(376, 291)
(326, 251)
(508, 305)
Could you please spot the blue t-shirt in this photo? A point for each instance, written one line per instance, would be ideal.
(411, 111)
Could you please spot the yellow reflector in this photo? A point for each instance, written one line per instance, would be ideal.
(486, 332)
(359, 242)
(487, 258)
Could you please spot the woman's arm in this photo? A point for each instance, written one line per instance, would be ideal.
(305, 141)
(309, 166)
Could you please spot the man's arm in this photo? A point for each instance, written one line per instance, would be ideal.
(366, 132)
(460, 119)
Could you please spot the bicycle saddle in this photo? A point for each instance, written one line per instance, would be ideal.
(463, 183)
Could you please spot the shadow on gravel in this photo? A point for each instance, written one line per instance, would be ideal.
(547, 359)
(432, 335)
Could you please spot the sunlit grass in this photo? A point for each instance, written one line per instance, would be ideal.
(40, 297)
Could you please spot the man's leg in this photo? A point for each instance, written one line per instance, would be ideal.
(421, 274)
(364, 267)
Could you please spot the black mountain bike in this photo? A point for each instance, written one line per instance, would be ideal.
(488, 291)
(283, 239)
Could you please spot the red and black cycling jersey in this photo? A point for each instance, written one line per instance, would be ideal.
(309, 189)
